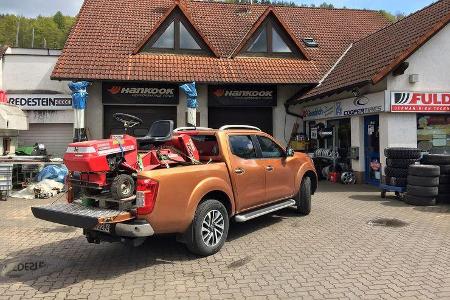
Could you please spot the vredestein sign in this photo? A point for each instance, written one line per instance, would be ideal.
(139, 93)
(242, 95)
(41, 101)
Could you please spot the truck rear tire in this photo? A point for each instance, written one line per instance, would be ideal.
(209, 228)
(122, 186)
(304, 197)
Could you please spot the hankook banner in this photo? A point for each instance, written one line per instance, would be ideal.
(242, 95)
(41, 101)
(420, 102)
(140, 93)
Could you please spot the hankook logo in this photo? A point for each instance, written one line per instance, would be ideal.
(240, 93)
(114, 90)
(361, 101)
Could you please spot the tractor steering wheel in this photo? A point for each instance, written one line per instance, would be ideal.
(127, 120)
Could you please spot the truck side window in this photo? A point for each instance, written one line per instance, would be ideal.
(242, 146)
(269, 148)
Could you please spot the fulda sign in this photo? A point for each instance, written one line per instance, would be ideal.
(140, 93)
(242, 95)
(420, 102)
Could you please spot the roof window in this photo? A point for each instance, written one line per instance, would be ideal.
(310, 42)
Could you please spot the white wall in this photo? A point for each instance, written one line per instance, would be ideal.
(357, 140)
(431, 62)
(282, 130)
(94, 111)
(31, 73)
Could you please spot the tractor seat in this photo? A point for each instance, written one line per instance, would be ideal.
(160, 132)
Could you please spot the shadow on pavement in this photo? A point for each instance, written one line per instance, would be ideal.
(388, 201)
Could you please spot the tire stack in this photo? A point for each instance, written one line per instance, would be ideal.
(397, 162)
(443, 161)
(423, 185)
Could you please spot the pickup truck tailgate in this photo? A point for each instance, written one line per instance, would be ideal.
(78, 215)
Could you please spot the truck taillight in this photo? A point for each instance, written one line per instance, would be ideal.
(146, 192)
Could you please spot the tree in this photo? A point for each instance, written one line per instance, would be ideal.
(58, 18)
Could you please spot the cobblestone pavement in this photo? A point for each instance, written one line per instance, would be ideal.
(332, 253)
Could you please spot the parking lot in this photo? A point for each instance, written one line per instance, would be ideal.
(338, 251)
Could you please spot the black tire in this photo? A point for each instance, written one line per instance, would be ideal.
(419, 201)
(424, 170)
(436, 159)
(443, 198)
(395, 181)
(195, 242)
(396, 172)
(444, 179)
(303, 199)
(122, 186)
(422, 191)
(445, 169)
(444, 189)
(399, 163)
(403, 153)
(423, 181)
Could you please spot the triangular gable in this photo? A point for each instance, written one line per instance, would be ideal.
(270, 13)
(188, 28)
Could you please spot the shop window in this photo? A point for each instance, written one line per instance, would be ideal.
(270, 39)
(433, 132)
(176, 35)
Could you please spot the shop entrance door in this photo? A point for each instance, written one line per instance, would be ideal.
(372, 149)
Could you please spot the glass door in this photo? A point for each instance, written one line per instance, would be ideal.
(372, 149)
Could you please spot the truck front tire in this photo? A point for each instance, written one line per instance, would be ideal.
(304, 197)
(209, 228)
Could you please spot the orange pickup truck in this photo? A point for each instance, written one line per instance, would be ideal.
(245, 174)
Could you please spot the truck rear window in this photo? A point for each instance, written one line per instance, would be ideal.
(206, 144)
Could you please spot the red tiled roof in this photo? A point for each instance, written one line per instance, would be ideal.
(107, 32)
(372, 58)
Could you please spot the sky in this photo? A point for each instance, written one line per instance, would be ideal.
(33, 8)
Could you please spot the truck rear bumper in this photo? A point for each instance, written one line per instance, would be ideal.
(136, 228)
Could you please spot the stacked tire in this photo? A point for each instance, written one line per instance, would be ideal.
(398, 160)
(443, 161)
(423, 185)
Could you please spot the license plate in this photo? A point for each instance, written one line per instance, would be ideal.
(105, 227)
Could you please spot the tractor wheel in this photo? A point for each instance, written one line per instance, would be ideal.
(122, 186)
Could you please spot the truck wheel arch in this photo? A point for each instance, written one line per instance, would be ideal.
(302, 172)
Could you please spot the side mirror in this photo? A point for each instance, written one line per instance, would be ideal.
(290, 152)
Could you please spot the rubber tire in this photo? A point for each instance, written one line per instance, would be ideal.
(444, 188)
(400, 163)
(444, 179)
(443, 198)
(445, 169)
(422, 191)
(194, 242)
(396, 181)
(396, 172)
(403, 153)
(423, 181)
(436, 159)
(419, 201)
(303, 199)
(424, 170)
(116, 191)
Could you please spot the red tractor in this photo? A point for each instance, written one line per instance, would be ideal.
(112, 164)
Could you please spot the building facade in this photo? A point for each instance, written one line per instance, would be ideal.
(47, 103)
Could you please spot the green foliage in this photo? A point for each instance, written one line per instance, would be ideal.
(49, 32)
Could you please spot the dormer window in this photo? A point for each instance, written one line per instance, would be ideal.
(176, 35)
(270, 39)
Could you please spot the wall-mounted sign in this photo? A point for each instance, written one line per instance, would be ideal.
(41, 101)
(140, 93)
(361, 105)
(420, 102)
(320, 111)
(242, 95)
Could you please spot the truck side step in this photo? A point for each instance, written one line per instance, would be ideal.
(263, 211)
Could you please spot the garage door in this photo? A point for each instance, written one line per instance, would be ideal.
(256, 116)
(55, 137)
(148, 114)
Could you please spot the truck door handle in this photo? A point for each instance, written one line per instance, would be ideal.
(269, 168)
(239, 171)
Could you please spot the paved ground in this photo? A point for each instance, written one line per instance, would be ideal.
(332, 253)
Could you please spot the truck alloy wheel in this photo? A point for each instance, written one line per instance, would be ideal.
(209, 229)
